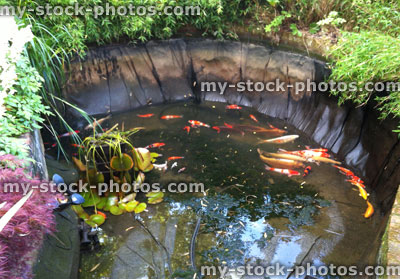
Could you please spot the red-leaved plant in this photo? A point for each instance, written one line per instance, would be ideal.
(23, 234)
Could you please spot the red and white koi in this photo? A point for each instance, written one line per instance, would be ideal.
(181, 170)
(253, 118)
(280, 140)
(68, 134)
(356, 183)
(196, 123)
(233, 107)
(288, 172)
(148, 115)
(155, 145)
(168, 117)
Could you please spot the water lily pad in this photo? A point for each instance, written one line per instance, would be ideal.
(102, 203)
(157, 194)
(154, 200)
(140, 207)
(130, 206)
(98, 219)
(91, 199)
(112, 200)
(115, 210)
(123, 163)
(143, 159)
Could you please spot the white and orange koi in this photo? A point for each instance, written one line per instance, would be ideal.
(196, 123)
(168, 117)
(288, 172)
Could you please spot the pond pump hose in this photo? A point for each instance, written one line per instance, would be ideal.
(193, 246)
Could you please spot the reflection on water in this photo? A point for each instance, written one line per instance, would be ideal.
(248, 215)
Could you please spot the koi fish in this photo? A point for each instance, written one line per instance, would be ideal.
(97, 122)
(307, 171)
(233, 107)
(228, 125)
(253, 118)
(363, 193)
(161, 167)
(154, 145)
(145, 115)
(168, 117)
(187, 129)
(196, 123)
(288, 172)
(175, 164)
(271, 126)
(325, 160)
(174, 158)
(77, 145)
(356, 183)
(317, 149)
(345, 171)
(305, 153)
(102, 214)
(281, 163)
(280, 140)
(227, 129)
(181, 170)
(370, 210)
(284, 156)
(68, 134)
(356, 179)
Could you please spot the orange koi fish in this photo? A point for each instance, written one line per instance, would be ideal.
(102, 214)
(227, 129)
(145, 115)
(77, 145)
(168, 117)
(233, 107)
(271, 126)
(345, 171)
(305, 153)
(307, 171)
(356, 179)
(196, 123)
(317, 149)
(174, 158)
(187, 129)
(370, 210)
(253, 118)
(288, 172)
(68, 134)
(154, 145)
(356, 183)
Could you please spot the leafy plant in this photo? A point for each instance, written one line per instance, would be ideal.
(276, 23)
(26, 229)
(295, 31)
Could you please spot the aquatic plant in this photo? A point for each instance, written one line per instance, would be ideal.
(24, 232)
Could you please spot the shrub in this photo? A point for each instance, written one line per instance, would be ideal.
(24, 232)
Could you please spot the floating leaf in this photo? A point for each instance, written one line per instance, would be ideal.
(140, 207)
(98, 219)
(102, 203)
(130, 206)
(143, 159)
(91, 199)
(115, 210)
(112, 200)
(123, 163)
(129, 198)
(157, 194)
(154, 200)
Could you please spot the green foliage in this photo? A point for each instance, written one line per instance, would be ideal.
(368, 57)
(276, 23)
(23, 110)
(295, 31)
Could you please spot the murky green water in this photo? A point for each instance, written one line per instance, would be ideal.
(248, 215)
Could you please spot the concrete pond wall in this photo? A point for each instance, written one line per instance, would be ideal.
(120, 78)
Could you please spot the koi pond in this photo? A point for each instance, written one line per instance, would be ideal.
(247, 214)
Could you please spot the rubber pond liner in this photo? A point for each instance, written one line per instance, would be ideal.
(116, 79)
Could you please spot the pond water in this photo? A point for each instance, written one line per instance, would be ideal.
(247, 215)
